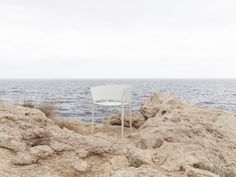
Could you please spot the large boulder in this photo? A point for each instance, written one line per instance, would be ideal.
(181, 134)
(137, 120)
(159, 104)
(35, 140)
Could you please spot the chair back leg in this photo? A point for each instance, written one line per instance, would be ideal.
(130, 118)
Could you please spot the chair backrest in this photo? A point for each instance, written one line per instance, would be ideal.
(111, 92)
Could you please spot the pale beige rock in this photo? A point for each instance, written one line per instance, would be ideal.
(137, 120)
(141, 155)
(193, 172)
(59, 147)
(149, 140)
(173, 136)
(115, 163)
(190, 134)
(118, 162)
(82, 153)
(160, 104)
(134, 172)
(41, 151)
(11, 144)
(24, 159)
(81, 166)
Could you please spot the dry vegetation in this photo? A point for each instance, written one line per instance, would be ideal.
(48, 108)
(78, 127)
(214, 169)
(28, 104)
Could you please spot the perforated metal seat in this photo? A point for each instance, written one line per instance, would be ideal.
(112, 95)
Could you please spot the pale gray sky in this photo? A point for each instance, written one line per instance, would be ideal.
(118, 39)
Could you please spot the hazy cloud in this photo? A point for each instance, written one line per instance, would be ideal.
(117, 39)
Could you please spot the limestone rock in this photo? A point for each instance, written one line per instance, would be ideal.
(25, 159)
(82, 153)
(119, 162)
(193, 172)
(183, 130)
(149, 140)
(159, 104)
(137, 120)
(41, 151)
(59, 147)
(142, 155)
(134, 172)
(81, 166)
(11, 144)
(115, 163)
(172, 136)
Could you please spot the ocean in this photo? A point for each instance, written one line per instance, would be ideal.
(73, 99)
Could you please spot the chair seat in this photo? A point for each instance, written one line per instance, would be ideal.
(109, 103)
(112, 95)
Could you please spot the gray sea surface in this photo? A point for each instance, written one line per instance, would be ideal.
(73, 99)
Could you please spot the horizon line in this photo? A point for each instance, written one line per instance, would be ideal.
(168, 78)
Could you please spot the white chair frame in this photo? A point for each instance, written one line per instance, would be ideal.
(112, 95)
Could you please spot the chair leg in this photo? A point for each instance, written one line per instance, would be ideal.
(130, 118)
(122, 121)
(92, 123)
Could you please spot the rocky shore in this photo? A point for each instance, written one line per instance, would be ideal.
(171, 138)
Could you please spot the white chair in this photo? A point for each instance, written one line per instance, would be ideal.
(112, 95)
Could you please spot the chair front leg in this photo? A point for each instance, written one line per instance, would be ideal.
(122, 121)
(93, 115)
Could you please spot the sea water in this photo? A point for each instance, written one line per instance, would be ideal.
(73, 99)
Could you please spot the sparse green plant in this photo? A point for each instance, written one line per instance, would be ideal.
(28, 104)
(135, 163)
(203, 166)
(213, 169)
(48, 108)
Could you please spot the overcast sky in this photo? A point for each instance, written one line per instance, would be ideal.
(117, 39)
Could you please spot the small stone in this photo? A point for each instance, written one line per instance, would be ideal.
(169, 139)
(41, 151)
(118, 162)
(83, 153)
(59, 147)
(81, 166)
(24, 159)
(149, 112)
(175, 119)
(158, 143)
(141, 155)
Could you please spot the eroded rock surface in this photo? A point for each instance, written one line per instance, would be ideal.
(174, 138)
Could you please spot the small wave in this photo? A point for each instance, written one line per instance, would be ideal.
(74, 99)
(207, 103)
